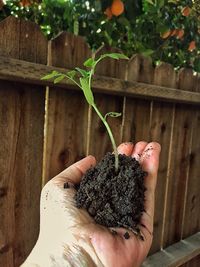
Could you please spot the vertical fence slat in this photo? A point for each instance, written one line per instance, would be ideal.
(160, 131)
(191, 223)
(99, 141)
(179, 164)
(137, 112)
(22, 121)
(9, 29)
(67, 115)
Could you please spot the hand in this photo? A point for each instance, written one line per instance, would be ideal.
(69, 236)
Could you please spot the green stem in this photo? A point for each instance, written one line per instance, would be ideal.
(74, 81)
(110, 135)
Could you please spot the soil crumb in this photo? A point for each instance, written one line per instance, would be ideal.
(113, 199)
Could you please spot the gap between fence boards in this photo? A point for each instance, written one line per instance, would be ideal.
(27, 72)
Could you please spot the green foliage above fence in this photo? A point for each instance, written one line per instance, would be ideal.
(166, 30)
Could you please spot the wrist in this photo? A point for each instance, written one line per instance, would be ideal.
(46, 254)
(38, 257)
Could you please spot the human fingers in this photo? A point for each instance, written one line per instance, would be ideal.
(138, 149)
(125, 148)
(150, 162)
(74, 173)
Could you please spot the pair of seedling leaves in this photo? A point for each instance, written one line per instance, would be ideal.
(83, 79)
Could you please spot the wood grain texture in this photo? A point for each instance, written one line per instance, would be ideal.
(137, 112)
(99, 140)
(160, 131)
(8, 135)
(179, 165)
(191, 222)
(176, 254)
(27, 72)
(192, 263)
(21, 134)
(67, 115)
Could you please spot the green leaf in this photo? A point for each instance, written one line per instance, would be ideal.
(76, 27)
(59, 78)
(84, 73)
(124, 21)
(197, 64)
(87, 90)
(148, 52)
(51, 75)
(173, 1)
(71, 73)
(150, 2)
(90, 62)
(112, 114)
(160, 3)
(115, 56)
(161, 28)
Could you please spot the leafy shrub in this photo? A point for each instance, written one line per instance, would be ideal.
(166, 30)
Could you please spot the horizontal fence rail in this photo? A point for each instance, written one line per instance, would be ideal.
(177, 254)
(23, 71)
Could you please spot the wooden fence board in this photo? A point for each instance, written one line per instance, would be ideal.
(8, 137)
(99, 140)
(191, 222)
(192, 263)
(22, 117)
(137, 112)
(160, 131)
(179, 165)
(67, 119)
(176, 254)
(10, 29)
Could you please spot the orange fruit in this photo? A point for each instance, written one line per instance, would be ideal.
(186, 11)
(174, 32)
(25, 3)
(117, 7)
(192, 46)
(166, 34)
(108, 13)
(180, 34)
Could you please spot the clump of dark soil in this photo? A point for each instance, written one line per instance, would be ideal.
(113, 199)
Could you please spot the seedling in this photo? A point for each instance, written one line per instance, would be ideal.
(83, 79)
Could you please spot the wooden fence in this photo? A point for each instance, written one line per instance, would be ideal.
(44, 129)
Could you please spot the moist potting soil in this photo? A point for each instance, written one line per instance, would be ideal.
(113, 199)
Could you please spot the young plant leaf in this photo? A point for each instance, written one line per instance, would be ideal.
(84, 73)
(51, 75)
(115, 56)
(59, 78)
(71, 74)
(90, 62)
(87, 90)
(112, 114)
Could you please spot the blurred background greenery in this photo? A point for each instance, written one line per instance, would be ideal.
(165, 30)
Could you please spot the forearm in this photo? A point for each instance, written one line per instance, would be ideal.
(41, 256)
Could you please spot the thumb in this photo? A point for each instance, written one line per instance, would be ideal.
(74, 173)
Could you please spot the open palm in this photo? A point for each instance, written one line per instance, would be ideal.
(71, 235)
